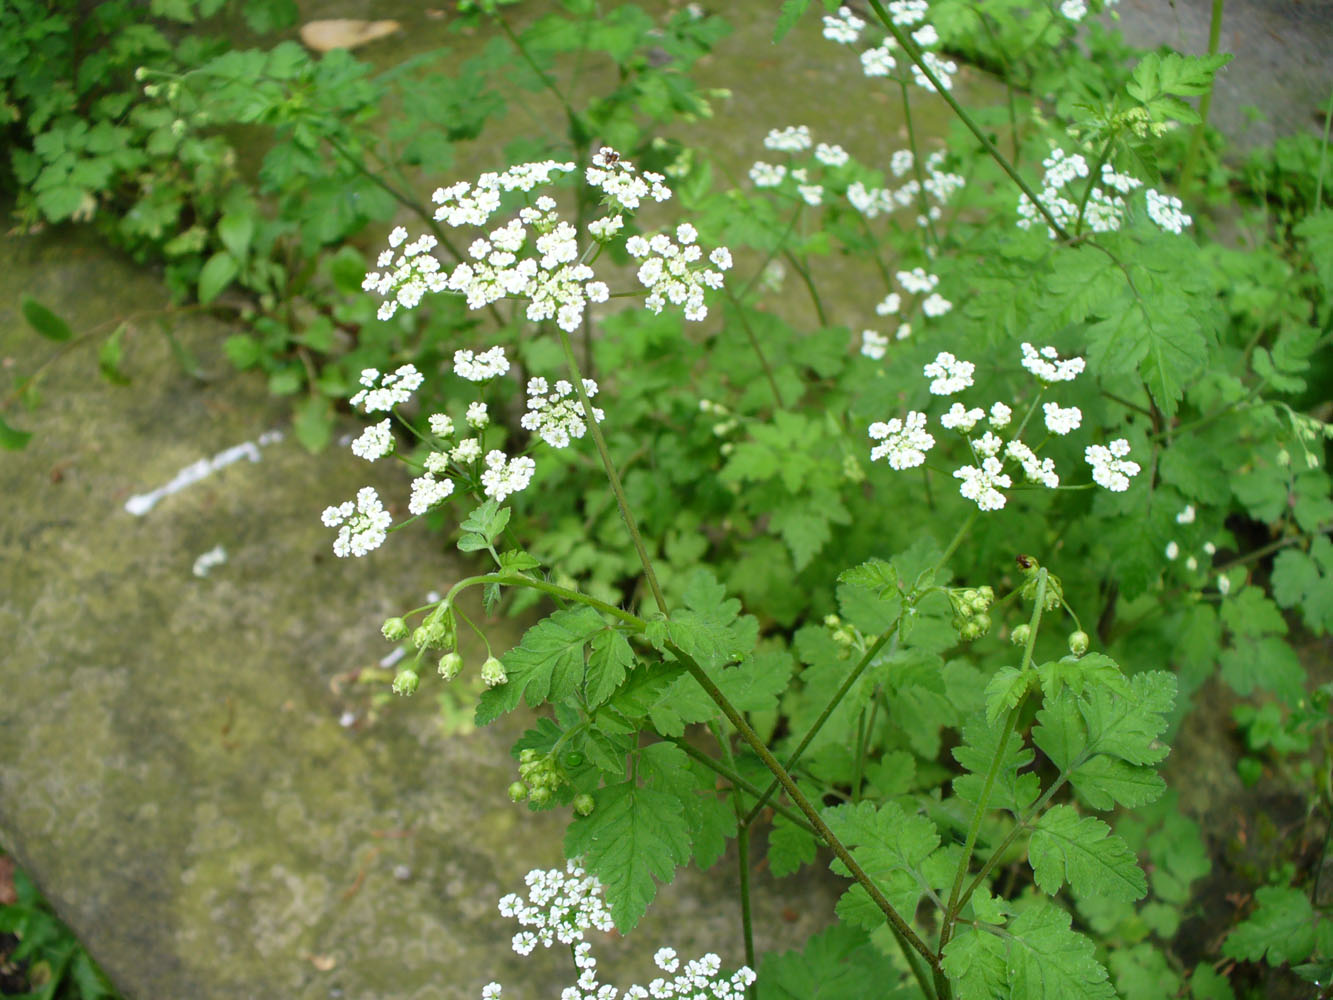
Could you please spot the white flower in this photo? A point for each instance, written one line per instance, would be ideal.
(720, 259)
(926, 36)
(427, 491)
(557, 417)
(385, 393)
(1210, 548)
(811, 194)
(487, 365)
(873, 344)
(1047, 366)
(906, 13)
(1186, 516)
(961, 418)
(397, 237)
(665, 959)
(767, 174)
(903, 332)
(1062, 421)
(944, 70)
(603, 229)
(504, 476)
(1000, 416)
(869, 201)
(1037, 470)
(375, 441)
(845, 28)
(879, 61)
(441, 425)
(467, 450)
(1165, 210)
(901, 162)
(905, 442)
(793, 139)
(950, 374)
(1172, 551)
(1111, 468)
(1074, 10)
(936, 305)
(621, 186)
(1223, 585)
(988, 444)
(983, 485)
(477, 416)
(891, 304)
(670, 273)
(362, 527)
(1191, 564)
(917, 281)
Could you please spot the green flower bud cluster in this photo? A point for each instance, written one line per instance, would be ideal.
(844, 635)
(449, 666)
(539, 776)
(438, 631)
(970, 611)
(406, 681)
(1055, 591)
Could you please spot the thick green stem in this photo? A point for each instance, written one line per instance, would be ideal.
(1196, 137)
(914, 54)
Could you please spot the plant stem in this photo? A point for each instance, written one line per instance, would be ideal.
(621, 500)
(734, 776)
(824, 714)
(758, 351)
(1323, 155)
(804, 275)
(922, 201)
(914, 54)
(1196, 137)
(983, 800)
(742, 850)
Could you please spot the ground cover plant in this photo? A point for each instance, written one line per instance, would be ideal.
(925, 598)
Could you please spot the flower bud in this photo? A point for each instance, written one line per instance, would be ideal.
(518, 792)
(395, 629)
(1078, 642)
(450, 665)
(539, 796)
(982, 622)
(987, 594)
(527, 756)
(583, 804)
(406, 682)
(1021, 634)
(493, 672)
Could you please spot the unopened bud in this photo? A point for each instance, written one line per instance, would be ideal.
(395, 629)
(1020, 635)
(982, 622)
(493, 672)
(518, 791)
(583, 804)
(1078, 642)
(406, 682)
(450, 665)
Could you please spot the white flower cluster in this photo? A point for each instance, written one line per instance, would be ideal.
(904, 442)
(557, 417)
(918, 282)
(624, 189)
(362, 526)
(674, 273)
(562, 906)
(845, 29)
(1105, 209)
(534, 256)
(939, 185)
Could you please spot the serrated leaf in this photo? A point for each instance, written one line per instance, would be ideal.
(755, 684)
(1048, 961)
(488, 520)
(1081, 850)
(788, 15)
(891, 847)
(1281, 929)
(216, 274)
(1006, 689)
(632, 837)
(546, 665)
(609, 660)
(518, 560)
(1011, 790)
(44, 321)
(1306, 581)
(835, 964)
(789, 847)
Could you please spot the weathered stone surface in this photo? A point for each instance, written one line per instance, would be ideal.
(172, 767)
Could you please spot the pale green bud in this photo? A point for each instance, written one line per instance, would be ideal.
(493, 672)
(395, 629)
(584, 804)
(1020, 635)
(450, 665)
(518, 792)
(1078, 642)
(406, 682)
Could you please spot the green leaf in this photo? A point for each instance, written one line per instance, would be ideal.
(518, 561)
(488, 520)
(789, 847)
(1006, 689)
(1306, 581)
(1281, 929)
(891, 847)
(756, 683)
(609, 660)
(347, 268)
(313, 423)
(546, 666)
(633, 836)
(44, 321)
(835, 964)
(216, 275)
(1081, 850)
(789, 14)
(1205, 984)
(981, 744)
(869, 596)
(13, 439)
(110, 354)
(236, 229)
